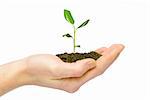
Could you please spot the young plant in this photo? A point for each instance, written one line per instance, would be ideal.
(70, 19)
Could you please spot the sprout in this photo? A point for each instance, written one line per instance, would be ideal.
(69, 18)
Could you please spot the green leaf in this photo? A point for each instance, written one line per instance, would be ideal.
(68, 16)
(67, 35)
(78, 46)
(84, 23)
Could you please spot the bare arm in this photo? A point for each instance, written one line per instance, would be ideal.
(50, 71)
(11, 76)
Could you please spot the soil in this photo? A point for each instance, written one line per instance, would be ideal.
(73, 57)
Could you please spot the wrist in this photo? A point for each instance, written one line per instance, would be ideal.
(13, 75)
(21, 74)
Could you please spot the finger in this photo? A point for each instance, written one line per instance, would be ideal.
(109, 56)
(101, 50)
(79, 81)
(76, 69)
(103, 63)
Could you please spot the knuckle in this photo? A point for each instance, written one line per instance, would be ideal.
(78, 72)
(101, 72)
(72, 89)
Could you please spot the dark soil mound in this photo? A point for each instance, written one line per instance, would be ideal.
(73, 57)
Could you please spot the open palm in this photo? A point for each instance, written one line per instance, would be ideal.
(50, 71)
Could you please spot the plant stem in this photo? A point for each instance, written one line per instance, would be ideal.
(74, 39)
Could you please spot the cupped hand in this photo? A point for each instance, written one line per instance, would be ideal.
(50, 71)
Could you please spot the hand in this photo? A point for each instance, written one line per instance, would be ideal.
(109, 55)
(50, 71)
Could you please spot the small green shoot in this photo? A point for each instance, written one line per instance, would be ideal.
(69, 18)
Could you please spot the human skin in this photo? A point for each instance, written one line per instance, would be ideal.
(50, 71)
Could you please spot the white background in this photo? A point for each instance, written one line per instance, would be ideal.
(35, 26)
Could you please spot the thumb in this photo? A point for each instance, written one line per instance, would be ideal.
(78, 68)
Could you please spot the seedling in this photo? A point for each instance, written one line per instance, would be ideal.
(73, 57)
(68, 16)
